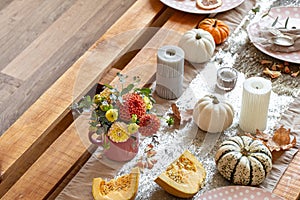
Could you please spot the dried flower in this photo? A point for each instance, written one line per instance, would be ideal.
(287, 70)
(149, 124)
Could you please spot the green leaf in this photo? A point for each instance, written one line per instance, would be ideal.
(108, 86)
(99, 131)
(274, 23)
(144, 91)
(120, 99)
(286, 22)
(106, 145)
(127, 89)
(256, 9)
(266, 14)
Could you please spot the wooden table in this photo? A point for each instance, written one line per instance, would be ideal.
(42, 151)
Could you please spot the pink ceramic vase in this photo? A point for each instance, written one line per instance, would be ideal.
(121, 151)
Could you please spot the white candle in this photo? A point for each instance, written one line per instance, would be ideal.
(255, 104)
(170, 72)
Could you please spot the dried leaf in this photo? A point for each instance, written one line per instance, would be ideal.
(295, 74)
(182, 116)
(272, 74)
(281, 140)
(176, 112)
(262, 136)
(264, 62)
(282, 136)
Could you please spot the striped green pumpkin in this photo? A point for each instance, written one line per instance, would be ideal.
(243, 161)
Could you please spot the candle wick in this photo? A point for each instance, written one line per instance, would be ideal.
(257, 88)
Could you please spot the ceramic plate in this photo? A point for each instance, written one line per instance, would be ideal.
(238, 193)
(190, 6)
(283, 13)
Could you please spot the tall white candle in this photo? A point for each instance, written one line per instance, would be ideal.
(255, 104)
(170, 72)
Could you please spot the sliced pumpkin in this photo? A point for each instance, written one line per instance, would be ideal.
(184, 177)
(209, 4)
(121, 188)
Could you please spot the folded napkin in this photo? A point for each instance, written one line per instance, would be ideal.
(265, 33)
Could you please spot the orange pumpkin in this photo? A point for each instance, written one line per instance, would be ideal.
(217, 28)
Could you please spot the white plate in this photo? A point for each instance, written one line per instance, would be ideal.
(239, 193)
(282, 12)
(190, 6)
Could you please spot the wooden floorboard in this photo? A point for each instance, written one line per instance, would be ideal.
(40, 40)
(4, 3)
(19, 34)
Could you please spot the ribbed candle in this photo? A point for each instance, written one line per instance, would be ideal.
(255, 104)
(170, 72)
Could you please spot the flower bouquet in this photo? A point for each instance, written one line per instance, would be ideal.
(118, 117)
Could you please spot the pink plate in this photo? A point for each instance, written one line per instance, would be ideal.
(238, 193)
(190, 6)
(282, 12)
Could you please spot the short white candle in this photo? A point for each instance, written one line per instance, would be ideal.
(255, 104)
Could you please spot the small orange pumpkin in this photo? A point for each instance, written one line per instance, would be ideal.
(217, 28)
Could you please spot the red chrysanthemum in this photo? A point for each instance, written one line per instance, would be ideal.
(132, 104)
(149, 124)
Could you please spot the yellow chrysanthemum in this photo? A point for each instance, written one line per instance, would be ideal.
(148, 103)
(132, 128)
(106, 94)
(111, 115)
(117, 132)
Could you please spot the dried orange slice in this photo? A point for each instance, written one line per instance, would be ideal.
(209, 4)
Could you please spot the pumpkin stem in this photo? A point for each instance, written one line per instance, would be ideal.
(245, 151)
(198, 36)
(215, 24)
(215, 100)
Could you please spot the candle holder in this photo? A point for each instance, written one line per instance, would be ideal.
(226, 78)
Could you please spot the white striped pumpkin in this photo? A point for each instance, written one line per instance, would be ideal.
(243, 160)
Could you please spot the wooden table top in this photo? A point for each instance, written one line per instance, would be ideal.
(42, 151)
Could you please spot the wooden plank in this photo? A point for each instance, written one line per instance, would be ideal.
(4, 3)
(41, 178)
(33, 174)
(55, 65)
(289, 185)
(79, 145)
(14, 12)
(21, 31)
(60, 30)
(36, 123)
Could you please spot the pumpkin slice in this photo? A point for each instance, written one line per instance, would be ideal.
(184, 177)
(209, 4)
(124, 187)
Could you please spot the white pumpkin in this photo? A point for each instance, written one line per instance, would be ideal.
(213, 115)
(198, 45)
(243, 160)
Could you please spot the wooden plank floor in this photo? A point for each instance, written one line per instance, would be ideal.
(40, 40)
